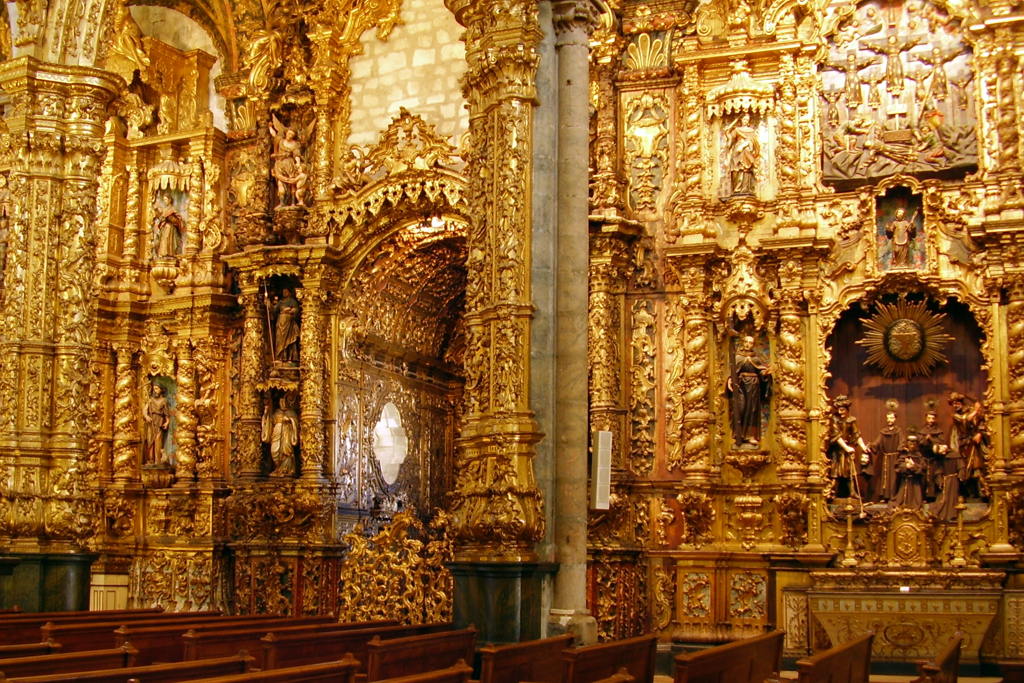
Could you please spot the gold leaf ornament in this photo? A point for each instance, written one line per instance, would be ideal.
(905, 339)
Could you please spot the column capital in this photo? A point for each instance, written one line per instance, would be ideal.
(575, 20)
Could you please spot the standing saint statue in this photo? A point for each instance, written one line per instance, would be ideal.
(285, 312)
(156, 413)
(743, 152)
(901, 231)
(843, 441)
(281, 431)
(885, 451)
(168, 227)
(748, 387)
(289, 168)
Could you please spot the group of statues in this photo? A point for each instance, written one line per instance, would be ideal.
(910, 470)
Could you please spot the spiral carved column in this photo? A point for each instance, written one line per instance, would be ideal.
(312, 432)
(185, 433)
(126, 417)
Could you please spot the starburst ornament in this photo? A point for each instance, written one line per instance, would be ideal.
(905, 339)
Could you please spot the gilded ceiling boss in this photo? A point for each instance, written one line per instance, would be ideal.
(688, 318)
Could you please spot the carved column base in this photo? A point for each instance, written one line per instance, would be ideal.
(503, 599)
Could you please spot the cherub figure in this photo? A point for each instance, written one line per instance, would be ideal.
(289, 169)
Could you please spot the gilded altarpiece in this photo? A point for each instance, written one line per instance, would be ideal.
(798, 186)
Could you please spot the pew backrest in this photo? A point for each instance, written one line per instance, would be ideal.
(204, 644)
(100, 635)
(25, 628)
(1013, 672)
(752, 660)
(70, 662)
(459, 673)
(341, 671)
(946, 667)
(48, 647)
(398, 657)
(594, 662)
(166, 643)
(281, 651)
(846, 663)
(539, 661)
(157, 673)
(621, 677)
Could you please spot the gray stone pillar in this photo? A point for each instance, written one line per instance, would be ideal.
(572, 20)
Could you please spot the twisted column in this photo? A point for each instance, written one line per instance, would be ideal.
(185, 432)
(312, 379)
(126, 417)
(254, 335)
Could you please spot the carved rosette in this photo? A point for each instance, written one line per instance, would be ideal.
(126, 417)
(185, 433)
(496, 504)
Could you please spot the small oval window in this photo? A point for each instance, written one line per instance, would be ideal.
(390, 444)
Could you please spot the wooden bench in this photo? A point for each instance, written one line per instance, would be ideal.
(946, 667)
(25, 628)
(751, 660)
(621, 677)
(535, 660)
(70, 662)
(846, 663)
(1013, 672)
(340, 671)
(459, 673)
(10, 610)
(157, 673)
(166, 643)
(29, 649)
(594, 662)
(400, 657)
(100, 635)
(298, 649)
(205, 644)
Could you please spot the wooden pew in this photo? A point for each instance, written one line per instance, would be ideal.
(535, 660)
(298, 649)
(621, 677)
(205, 644)
(400, 657)
(459, 673)
(10, 610)
(100, 635)
(24, 628)
(751, 660)
(594, 662)
(946, 667)
(1013, 672)
(846, 663)
(70, 662)
(165, 643)
(158, 673)
(340, 671)
(29, 649)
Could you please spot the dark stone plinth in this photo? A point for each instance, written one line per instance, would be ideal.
(7, 565)
(51, 582)
(502, 599)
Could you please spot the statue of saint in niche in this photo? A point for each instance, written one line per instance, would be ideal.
(748, 388)
(281, 431)
(289, 166)
(168, 227)
(885, 452)
(156, 413)
(901, 232)
(742, 155)
(843, 440)
(285, 313)
(910, 470)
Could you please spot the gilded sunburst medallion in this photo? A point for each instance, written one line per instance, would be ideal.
(905, 339)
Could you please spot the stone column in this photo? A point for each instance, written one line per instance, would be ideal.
(572, 21)
(496, 505)
(254, 335)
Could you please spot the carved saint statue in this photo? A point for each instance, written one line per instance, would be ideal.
(843, 440)
(910, 469)
(743, 151)
(892, 48)
(901, 231)
(289, 167)
(749, 386)
(156, 413)
(285, 312)
(168, 226)
(281, 431)
(885, 451)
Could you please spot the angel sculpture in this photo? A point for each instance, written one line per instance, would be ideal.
(290, 168)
